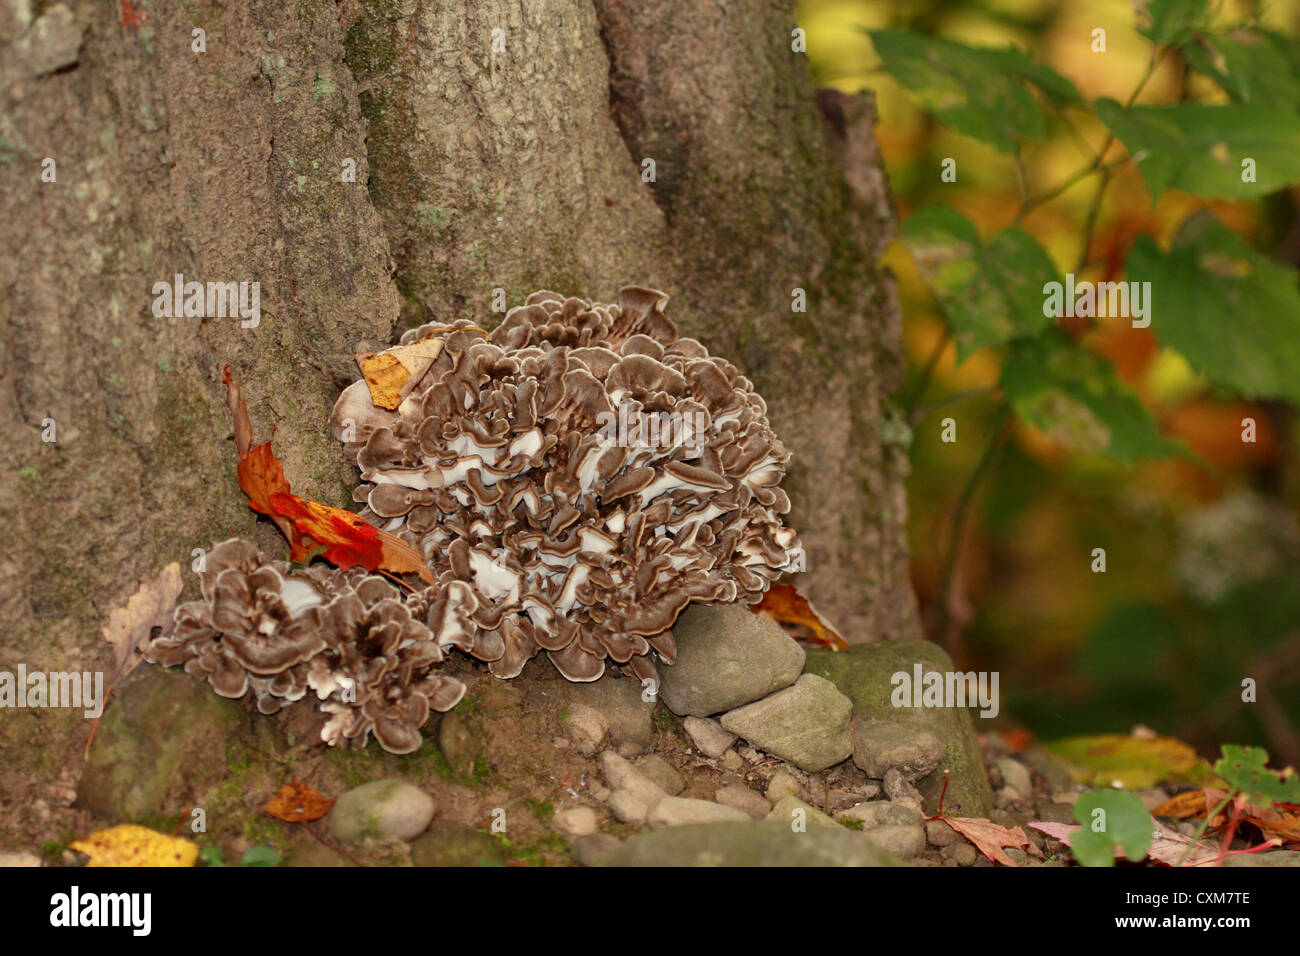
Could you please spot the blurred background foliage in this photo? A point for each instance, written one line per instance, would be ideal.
(1200, 588)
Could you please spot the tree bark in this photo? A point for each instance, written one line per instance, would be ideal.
(498, 145)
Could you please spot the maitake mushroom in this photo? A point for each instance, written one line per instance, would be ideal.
(574, 479)
(345, 635)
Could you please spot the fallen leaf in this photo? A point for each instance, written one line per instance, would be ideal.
(1193, 803)
(131, 625)
(131, 845)
(298, 803)
(787, 606)
(1167, 846)
(989, 838)
(1136, 763)
(391, 374)
(350, 539)
(1283, 826)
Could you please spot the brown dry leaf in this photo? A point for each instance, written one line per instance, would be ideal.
(1167, 846)
(787, 606)
(130, 626)
(391, 374)
(1285, 827)
(298, 803)
(131, 845)
(1193, 803)
(989, 838)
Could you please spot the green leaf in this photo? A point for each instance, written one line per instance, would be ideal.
(1246, 769)
(1200, 148)
(1232, 313)
(1110, 818)
(261, 856)
(1074, 396)
(1171, 21)
(211, 855)
(1250, 66)
(979, 92)
(991, 293)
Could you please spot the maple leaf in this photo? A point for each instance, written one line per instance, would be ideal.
(989, 838)
(1167, 846)
(131, 845)
(298, 803)
(787, 606)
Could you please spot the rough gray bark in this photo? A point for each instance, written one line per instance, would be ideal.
(476, 170)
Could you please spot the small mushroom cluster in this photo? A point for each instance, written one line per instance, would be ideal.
(347, 636)
(574, 479)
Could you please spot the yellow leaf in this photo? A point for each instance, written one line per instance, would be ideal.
(1137, 763)
(391, 374)
(131, 845)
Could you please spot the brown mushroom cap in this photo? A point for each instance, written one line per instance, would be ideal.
(574, 479)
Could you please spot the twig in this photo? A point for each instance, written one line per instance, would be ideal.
(925, 411)
(923, 382)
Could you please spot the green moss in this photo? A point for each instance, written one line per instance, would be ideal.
(851, 823)
(543, 810)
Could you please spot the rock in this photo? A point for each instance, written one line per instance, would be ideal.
(163, 742)
(744, 800)
(708, 736)
(806, 724)
(623, 713)
(1016, 855)
(586, 727)
(881, 813)
(904, 842)
(385, 810)
(683, 811)
(15, 858)
(1016, 775)
(727, 656)
(864, 673)
(575, 821)
(314, 854)
(756, 844)
(632, 807)
(1054, 771)
(661, 773)
(447, 843)
(880, 746)
(783, 784)
(621, 775)
(1006, 798)
(1271, 858)
(963, 854)
(787, 811)
(734, 762)
(899, 790)
(462, 742)
(593, 849)
(938, 833)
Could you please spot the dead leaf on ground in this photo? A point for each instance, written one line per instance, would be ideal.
(131, 625)
(298, 803)
(131, 845)
(1167, 846)
(787, 606)
(989, 838)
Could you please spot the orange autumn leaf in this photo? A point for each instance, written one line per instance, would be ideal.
(988, 837)
(1193, 803)
(298, 803)
(350, 539)
(390, 374)
(787, 606)
(1273, 824)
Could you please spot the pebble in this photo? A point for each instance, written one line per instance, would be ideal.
(661, 773)
(708, 736)
(899, 790)
(620, 774)
(783, 784)
(682, 811)
(590, 850)
(586, 727)
(903, 841)
(963, 854)
(787, 810)
(631, 807)
(806, 724)
(385, 810)
(938, 833)
(576, 821)
(880, 746)
(1015, 775)
(879, 813)
(744, 800)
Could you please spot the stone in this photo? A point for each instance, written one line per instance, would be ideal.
(575, 821)
(1016, 855)
(938, 833)
(864, 673)
(708, 736)
(1054, 770)
(621, 775)
(734, 762)
(314, 854)
(880, 746)
(786, 810)
(963, 854)
(447, 843)
(1270, 858)
(462, 742)
(10, 858)
(783, 784)
(727, 656)
(753, 844)
(806, 724)
(744, 800)
(660, 772)
(623, 711)
(904, 842)
(899, 790)
(586, 728)
(631, 807)
(385, 810)
(682, 811)
(1016, 775)
(593, 849)
(880, 813)
(164, 741)
(1007, 798)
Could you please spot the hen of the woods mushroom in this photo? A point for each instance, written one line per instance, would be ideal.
(573, 479)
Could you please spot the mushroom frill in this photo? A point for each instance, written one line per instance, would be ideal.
(574, 479)
(345, 636)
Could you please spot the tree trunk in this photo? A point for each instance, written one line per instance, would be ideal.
(498, 145)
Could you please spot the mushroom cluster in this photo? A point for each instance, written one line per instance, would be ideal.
(574, 479)
(347, 636)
